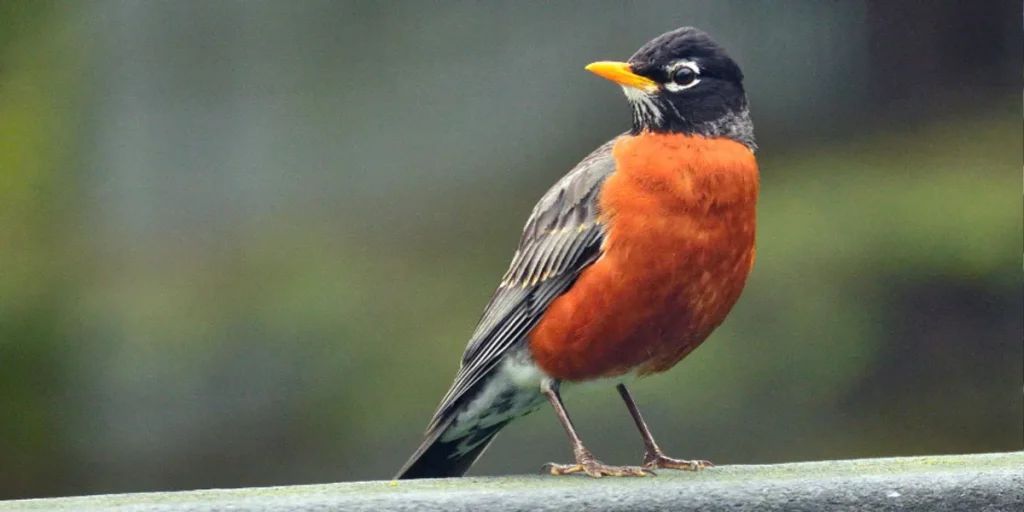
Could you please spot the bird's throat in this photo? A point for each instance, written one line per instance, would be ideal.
(653, 115)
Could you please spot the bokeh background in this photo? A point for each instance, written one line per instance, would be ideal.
(244, 242)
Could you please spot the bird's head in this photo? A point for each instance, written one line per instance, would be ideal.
(683, 82)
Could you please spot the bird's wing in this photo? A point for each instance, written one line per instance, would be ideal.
(562, 237)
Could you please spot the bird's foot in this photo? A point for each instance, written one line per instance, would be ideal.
(658, 460)
(596, 469)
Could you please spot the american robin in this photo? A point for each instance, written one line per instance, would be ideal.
(624, 267)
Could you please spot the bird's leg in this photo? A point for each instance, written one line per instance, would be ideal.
(585, 462)
(653, 457)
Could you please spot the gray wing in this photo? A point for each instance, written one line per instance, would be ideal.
(561, 238)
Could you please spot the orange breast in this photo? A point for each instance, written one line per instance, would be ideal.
(680, 218)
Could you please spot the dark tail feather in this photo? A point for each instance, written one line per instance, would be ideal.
(437, 459)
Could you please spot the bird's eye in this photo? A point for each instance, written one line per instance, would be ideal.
(684, 76)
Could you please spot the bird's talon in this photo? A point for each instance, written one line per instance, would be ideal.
(663, 462)
(561, 469)
(596, 469)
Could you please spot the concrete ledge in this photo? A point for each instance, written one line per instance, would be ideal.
(989, 482)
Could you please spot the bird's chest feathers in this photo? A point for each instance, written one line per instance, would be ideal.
(676, 203)
(680, 214)
(679, 217)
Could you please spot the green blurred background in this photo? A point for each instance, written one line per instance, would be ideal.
(244, 242)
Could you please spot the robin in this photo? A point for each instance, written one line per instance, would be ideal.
(624, 267)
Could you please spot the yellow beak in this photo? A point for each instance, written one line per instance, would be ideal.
(620, 73)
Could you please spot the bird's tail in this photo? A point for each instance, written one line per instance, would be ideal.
(461, 432)
(440, 457)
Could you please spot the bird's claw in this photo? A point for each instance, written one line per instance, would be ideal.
(596, 469)
(659, 461)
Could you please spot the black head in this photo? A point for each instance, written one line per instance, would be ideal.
(683, 82)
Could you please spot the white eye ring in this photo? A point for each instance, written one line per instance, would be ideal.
(671, 70)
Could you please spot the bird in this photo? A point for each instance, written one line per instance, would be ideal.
(624, 266)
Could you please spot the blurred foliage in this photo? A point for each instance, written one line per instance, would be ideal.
(170, 320)
(34, 288)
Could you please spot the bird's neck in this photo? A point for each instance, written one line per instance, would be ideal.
(734, 124)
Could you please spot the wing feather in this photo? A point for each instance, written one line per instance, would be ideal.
(562, 237)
